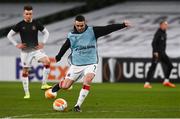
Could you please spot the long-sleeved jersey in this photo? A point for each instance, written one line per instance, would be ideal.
(159, 41)
(28, 33)
(98, 32)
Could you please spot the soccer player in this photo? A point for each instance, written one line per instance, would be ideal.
(84, 58)
(159, 54)
(31, 49)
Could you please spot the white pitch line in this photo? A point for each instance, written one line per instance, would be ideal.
(102, 111)
(27, 115)
(30, 115)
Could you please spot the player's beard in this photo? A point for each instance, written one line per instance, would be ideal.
(81, 30)
(28, 20)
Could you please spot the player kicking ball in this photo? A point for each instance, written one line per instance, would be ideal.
(84, 58)
(31, 49)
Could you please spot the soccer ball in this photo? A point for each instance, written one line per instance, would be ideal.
(60, 105)
(49, 94)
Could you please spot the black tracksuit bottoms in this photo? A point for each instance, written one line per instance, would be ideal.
(164, 59)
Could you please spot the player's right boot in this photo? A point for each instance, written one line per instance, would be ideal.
(77, 109)
(45, 87)
(147, 86)
(27, 96)
(169, 84)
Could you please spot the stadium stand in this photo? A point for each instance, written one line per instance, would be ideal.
(12, 13)
(131, 42)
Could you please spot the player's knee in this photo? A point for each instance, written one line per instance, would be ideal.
(25, 73)
(47, 64)
(87, 82)
(62, 84)
(65, 86)
(88, 79)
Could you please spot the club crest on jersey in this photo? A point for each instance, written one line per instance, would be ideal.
(33, 27)
(23, 28)
(162, 38)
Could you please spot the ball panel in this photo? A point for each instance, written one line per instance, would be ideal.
(60, 105)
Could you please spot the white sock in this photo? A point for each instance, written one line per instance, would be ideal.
(166, 80)
(45, 75)
(25, 83)
(147, 83)
(82, 95)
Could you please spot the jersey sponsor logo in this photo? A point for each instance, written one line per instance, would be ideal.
(57, 72)
(162, 38)
(84, 47)
(33, 27)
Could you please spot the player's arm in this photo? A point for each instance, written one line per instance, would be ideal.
(63, 50)
(104, 30)
(11, 38)
(45, 35)
(13, 41)
(155, 45)
(45, 38)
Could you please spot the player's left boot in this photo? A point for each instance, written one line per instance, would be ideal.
(147, 86)
(27, 96)
(169, 84)
(45, 87)
(77, 109)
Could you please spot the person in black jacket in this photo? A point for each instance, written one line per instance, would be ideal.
(159, 54)
(84, 58)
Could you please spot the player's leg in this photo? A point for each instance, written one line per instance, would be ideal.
(89, 72)
(72, 75)
(41, 57)
(63, 84)
(25, 81)
(150, 73)
(168, 64)
(26, 60)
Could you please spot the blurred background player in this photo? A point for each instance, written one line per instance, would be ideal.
(159, 54)
(30, 47)
(84, 58)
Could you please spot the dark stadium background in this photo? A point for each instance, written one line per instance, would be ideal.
(121, 98)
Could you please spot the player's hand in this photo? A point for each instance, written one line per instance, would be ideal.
(40, 46)
(127, 23)
(57, 58)
(156, 55)
(21, 45)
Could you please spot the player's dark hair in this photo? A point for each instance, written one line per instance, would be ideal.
(28, 7)
(80, 18)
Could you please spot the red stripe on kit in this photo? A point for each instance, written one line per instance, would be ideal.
(86, 87)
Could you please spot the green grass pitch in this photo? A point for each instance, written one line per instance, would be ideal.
(106, 100)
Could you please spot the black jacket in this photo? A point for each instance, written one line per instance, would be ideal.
(159, 41)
